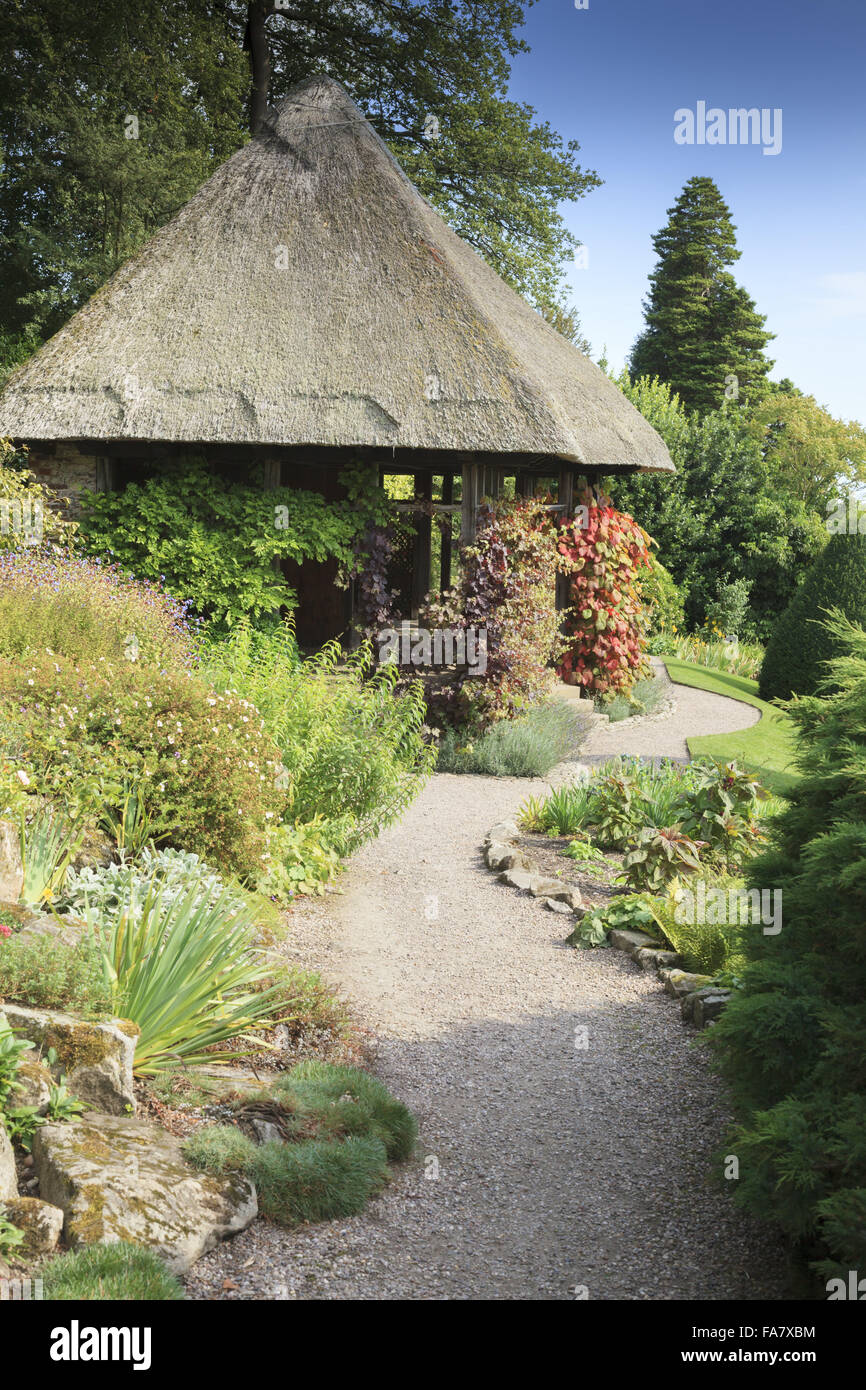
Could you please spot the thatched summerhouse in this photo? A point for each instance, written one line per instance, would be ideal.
(306, 307)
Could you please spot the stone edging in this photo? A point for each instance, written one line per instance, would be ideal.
(701, 1002)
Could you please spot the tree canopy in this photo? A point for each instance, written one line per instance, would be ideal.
(111, 116)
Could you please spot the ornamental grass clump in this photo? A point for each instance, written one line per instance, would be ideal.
(83, 609)
(117, 1272)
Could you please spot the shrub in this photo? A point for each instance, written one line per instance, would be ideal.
(662, 600)
(506, 590)
(632, 912)
(32, 515)
(213, 542)
(728, 610)
(528, 746)
(88, 611)
(352, 746)
(299, 860)
(603, 552)
(564, 812)
(791, 1042)
(660, 855)
(116, 1272)
(644, 697)
(113, 888)
(46, 974)
(801, 643)
(203, 764)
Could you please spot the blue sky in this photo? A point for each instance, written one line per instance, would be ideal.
(612, 76)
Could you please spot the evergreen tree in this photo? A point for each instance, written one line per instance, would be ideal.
(704, 336)
(792, 1042)
(801, 644)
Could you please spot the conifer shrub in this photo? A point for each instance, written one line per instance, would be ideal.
(801, 643)
(792, 1042)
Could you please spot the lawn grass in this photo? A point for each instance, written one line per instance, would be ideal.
(767, 748)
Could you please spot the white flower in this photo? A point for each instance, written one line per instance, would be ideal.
(22, 775)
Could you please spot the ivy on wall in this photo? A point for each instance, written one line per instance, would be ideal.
(214, 542)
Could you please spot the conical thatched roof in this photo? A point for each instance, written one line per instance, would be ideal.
(308, 294)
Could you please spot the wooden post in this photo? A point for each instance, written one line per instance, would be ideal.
(566, 490)
(105, 475)
(469, 507)
(446, 530)
(423, 537)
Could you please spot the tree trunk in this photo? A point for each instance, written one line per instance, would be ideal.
(256, 44)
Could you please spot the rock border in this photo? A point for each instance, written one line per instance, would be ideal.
(701, 1002)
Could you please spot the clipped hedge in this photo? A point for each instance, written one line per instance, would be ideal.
(801, 643)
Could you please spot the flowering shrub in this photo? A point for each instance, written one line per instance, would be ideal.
(508, 590)
(202, 761)
(83, 608)
(603, 558)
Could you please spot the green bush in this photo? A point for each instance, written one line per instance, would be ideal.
(528, 746)
(801, 642)
(118, 1271)
(792, 1043)
(352, 746)
(214, 541)
(661, 598)
(50, 975)
(203, 764)
(643, 698)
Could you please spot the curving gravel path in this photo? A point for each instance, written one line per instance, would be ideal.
(560, 1166)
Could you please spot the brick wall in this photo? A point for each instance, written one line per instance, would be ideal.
(63, 468)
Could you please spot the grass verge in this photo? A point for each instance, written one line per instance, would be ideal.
(767, 749)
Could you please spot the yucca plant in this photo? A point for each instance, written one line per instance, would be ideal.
(48, 845)
(187, 973)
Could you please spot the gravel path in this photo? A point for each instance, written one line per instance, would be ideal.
(560, 1166)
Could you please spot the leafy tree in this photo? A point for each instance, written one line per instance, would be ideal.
(703, 334)
(78, 197)
(813, 455)
(726, 514)
(801, 643)
(792, 1042)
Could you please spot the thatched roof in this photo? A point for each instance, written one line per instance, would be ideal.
(308, 294)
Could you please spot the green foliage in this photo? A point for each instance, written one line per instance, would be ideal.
(707, 648)
(82, 609)
(702, 327)
(563, 812)
(299, 860)
(618, 810)
(11, 1238)
(665, 610)
(108, 890)
(344, 1125)
(643, 698)
(706, 947)
(50, 975)
(584, 853)
(627, 913)
(185, 970)
(528, 746)
(352, 746)
(202, 762)
(345, 1101)
(721, 812)
(32, 514)
(496, 173)
(792, 1042)
(119, 1272)
(12, 1050)
(214, 542)
(727, 611)
(48, 845)
(660, 855)
(728, 513)
(801, 643)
